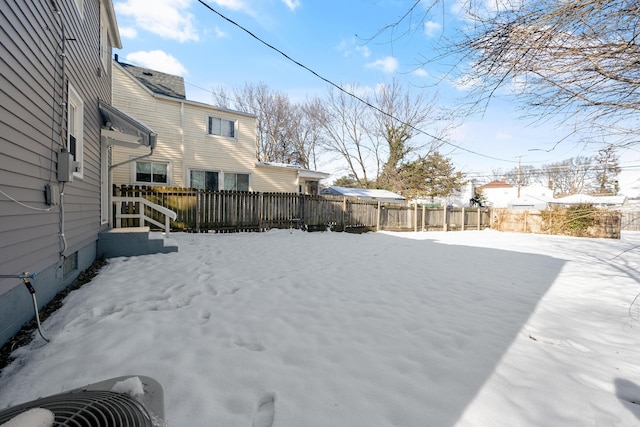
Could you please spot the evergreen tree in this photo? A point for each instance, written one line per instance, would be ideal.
(430, 176)
(348, 181)
(608, 170)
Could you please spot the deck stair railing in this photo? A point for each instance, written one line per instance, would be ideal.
(137, 208)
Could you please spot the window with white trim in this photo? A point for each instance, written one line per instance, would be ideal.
(204, 180)
(105, 47)
(221, 127)
(236, 181)
(152, 173)
(75, 129)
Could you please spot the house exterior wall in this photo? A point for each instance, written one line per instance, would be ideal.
(182, 140)
(499, 197)
(34, 83)
(282, 180)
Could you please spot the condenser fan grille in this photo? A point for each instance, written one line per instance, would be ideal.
(88, 408)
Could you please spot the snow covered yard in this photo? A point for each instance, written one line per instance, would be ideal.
(291, 329)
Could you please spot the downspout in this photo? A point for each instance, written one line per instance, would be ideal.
(132, 160)
(182, 167)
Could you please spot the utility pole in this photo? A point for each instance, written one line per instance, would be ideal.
(519, 157)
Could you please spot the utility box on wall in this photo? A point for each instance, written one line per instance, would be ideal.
(66, 166)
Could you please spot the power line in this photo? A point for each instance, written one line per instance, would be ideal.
(351, 94)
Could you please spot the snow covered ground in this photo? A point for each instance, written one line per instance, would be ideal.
(291, 329)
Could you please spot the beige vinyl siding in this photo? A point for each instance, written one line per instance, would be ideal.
(160, 115)
(275, 179)
(217, 153)
(32, 90)
(182, 139)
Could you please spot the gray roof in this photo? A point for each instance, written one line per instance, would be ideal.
(362, 193)
(157, 82)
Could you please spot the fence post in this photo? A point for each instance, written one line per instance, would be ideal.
(118, 214)
(344, 211)
(444, 225)
(478, 208)
(415, 217)
(198, 207)
(378, 219)
(424, 217)
(141, 214)
(462, 221)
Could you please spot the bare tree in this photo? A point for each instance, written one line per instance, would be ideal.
(573, 59)
(399, 118)
(571, 176)
(284, 133)
(345, 122)
(608, 171)
(522, 175)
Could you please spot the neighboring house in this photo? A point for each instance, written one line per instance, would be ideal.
(384, 196)
(584, 199)
(498, 193)
(292, 179)
(55, 58)
(533, 197)
(199, 145)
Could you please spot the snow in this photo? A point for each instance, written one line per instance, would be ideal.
(131, 386)
(288, 328)
(36, 417)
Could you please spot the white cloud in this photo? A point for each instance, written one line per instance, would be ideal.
(466, 82)
(388, 64)
(431, 28)
(363, 50)
(157, 60)
(169, 19)
(231, 4)
(347, 47)
(128, 32)
(219, 33)
(420, 72)
(292, 4)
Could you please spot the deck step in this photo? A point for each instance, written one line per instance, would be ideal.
(133, 241)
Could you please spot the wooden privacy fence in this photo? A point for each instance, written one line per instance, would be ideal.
(601, 223)
(631, 220)
(199, 210)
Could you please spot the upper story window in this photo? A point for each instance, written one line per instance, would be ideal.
(79, 4)
(75, 129)
(152, 173)
(221, 127)
(105, 47)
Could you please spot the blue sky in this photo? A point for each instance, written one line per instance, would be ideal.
(334, 39)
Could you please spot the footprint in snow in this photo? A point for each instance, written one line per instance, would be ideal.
(266, 411)
(251, 346)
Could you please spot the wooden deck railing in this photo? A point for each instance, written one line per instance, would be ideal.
(137, 207)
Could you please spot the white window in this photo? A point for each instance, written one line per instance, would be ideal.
(221, 127)
(79, 4)
(75, 129)
(105, 47)
(156, 173)
(204, 180)
(236, 181)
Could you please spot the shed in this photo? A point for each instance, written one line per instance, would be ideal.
(384, 196)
